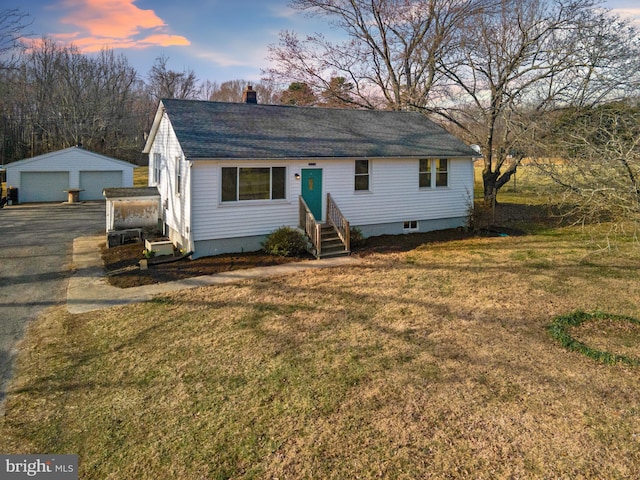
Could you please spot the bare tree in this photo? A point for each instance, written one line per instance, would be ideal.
(592, 156)
(486, 69)
(60, 97)
(339, 94)
(391, 56)
(515, 59)
(13, 23)
(165, 83)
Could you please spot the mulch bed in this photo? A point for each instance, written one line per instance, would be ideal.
(122, 262)
(121, 265)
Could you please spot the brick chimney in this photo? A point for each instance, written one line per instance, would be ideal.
(249, 95)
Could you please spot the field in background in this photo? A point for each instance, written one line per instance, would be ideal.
(140, 176)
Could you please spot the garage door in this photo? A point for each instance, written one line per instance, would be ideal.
(93, 182)
(43, 187)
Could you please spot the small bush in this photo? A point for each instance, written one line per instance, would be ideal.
(481, 217)
(357, 238)
(286, 242)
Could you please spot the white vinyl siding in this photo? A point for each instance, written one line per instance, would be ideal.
(395, 197)
(168, 165)
(214, 219)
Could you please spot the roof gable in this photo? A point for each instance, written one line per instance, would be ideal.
(74, 153)
(237, 130)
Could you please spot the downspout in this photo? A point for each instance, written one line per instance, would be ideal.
(192, 247)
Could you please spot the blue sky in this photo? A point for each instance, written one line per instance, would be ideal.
(218, 39)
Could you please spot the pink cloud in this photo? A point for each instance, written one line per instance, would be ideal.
(165, 40)
(114, 24)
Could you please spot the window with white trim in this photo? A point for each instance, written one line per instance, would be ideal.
(178, 175)
(253, 183)
(425, 172)
(157, 168)
(362, 175)
(410, 225)
(442, 172)
(427, 168)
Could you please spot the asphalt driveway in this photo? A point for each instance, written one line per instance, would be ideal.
(35, 260)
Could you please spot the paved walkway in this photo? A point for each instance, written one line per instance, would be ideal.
(88, 288)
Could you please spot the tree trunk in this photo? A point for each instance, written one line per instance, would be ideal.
(490, 182)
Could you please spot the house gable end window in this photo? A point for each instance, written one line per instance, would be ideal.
(178, 175)
(427, 168)
(362, 175)
(425, 173)
(253, 183)
(442, 172)
(157, 168)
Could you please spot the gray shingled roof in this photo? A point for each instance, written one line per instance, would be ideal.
(239, 130)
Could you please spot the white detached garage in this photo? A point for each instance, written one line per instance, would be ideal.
(48, 177)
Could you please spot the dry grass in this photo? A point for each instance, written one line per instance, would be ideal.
(431, 363)
(611, 336)
(140, 176)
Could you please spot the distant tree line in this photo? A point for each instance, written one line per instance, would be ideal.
(52, 96)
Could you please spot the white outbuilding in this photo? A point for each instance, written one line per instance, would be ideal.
(50, 177)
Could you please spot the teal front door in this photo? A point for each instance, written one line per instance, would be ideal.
(312, 190)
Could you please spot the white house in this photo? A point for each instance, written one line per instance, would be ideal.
(230, 173)
(49, 177)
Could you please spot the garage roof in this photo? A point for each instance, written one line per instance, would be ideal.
(52, 155)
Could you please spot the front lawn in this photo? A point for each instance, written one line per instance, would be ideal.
(434, 362)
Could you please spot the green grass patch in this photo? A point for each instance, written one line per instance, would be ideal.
(562, 328)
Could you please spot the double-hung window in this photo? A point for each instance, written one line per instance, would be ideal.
(362, 175)
(178, 175)
(442, 172)
(157, 168)
(425, 172)
(253, 183)
(433, 172)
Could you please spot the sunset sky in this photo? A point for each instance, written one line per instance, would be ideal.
(218, 39)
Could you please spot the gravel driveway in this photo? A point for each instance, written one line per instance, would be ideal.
(35, 259)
